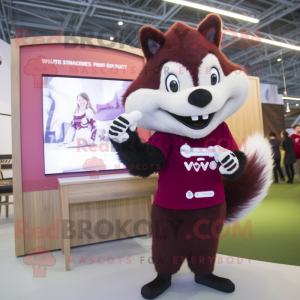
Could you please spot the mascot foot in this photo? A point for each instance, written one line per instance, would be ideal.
(215, 282)
(156, 287)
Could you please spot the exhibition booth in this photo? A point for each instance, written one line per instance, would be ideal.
(47, 75)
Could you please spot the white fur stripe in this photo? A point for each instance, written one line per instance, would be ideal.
(260, 146)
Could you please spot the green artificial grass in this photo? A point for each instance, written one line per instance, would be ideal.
(275, 227)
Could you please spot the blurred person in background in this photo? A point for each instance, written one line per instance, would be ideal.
(289, 157)
(296, 139)
(276, 157)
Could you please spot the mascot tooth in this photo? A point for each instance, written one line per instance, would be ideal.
(184, 93)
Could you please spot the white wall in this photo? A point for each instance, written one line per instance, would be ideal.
(5, 85)
(5, 99)
(5, 102)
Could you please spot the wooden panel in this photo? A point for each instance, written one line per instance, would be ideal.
(16, 141)
(61, 217)
(108, 190)
(247, 120)
(100, 178)
(42, 209)
(64, 240)
(116, 213)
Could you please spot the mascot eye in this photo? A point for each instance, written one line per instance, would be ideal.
(215, 76)
(172, 83)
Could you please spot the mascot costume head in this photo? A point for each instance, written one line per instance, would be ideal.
(185, 92)
(187, 87)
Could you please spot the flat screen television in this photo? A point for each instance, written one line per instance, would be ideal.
(77, 113)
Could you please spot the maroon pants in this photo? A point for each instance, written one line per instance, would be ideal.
(186, 234)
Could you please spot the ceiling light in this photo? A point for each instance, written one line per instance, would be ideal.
(297, 104)
(214, 10)
(279, 59)
(120, 23)
(291, 98)
(111, 38)
(261, 40)
(287, 107)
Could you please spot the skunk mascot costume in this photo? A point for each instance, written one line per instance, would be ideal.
(184, 93)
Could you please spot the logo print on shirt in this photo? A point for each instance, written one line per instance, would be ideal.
(187, 152)
(204, 194)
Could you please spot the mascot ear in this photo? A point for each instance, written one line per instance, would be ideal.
(211, 29)
(151, 39)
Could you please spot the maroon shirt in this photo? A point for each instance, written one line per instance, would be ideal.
(190, 178)
(296, 144)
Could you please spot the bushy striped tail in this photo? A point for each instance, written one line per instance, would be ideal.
(245, 194)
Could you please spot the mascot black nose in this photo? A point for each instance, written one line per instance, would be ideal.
(200, 97)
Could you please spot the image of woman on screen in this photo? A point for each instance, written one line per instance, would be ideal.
(82, 130)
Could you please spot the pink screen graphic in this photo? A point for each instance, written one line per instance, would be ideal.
(68, 61)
